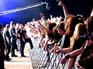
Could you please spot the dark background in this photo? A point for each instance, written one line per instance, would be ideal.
(74, 6)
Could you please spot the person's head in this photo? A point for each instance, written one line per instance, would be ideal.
(51, 26)
(61, 29)
(7, 26)
(17, 25)
(50, 30)
(80, 30)
(70, 24)
(21, 26)
(12, 24)
(42, 15)
(89, 25)
(1, 28)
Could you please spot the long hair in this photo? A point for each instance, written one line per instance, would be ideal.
(50, 30)
(71, 22)
(89, 25)
(80, 30)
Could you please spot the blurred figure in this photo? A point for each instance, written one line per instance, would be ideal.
(18, 28)
(13, 39)
(7, 41)
(76, 42)
(23, 39)
(2, 47)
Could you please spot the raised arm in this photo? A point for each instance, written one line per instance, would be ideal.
(65, 10)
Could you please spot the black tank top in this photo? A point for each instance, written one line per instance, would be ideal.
(79, 43)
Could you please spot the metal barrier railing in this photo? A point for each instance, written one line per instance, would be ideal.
(40, 59)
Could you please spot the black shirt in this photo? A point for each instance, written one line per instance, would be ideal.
(22, 34)
(79, 43)
(12, 32)
(7, 34)
(2, 46)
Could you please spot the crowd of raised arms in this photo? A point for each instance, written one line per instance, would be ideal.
(71, 36)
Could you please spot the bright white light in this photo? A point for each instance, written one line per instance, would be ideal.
(91, 13)
(24, 8)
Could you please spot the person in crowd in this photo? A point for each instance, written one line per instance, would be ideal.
(50, 42)
(59, 34)
(2, 47)
(42, 20)
(7, 40)
(77, 40)
(85, 60)
(13, 39)
(69, 27)
(70, 23)
(18, 35)
(71, 37)
(27, 38)
(23, 39)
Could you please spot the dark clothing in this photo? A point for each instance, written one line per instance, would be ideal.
(18, 33)
(2, 46)
(13, 47)
(86, 59)
(22, 48)
(1, 61)
(30, 42)
(12, 32)
(7, 35)
(18, 39)
(79, 43)
(22, 35)
(66, 41)
(13, 41)
(23, 40)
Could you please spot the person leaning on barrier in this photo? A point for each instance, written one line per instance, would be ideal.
(85, 60)
(77, 40)
(69, 27)
(60, 31)
(2, 47)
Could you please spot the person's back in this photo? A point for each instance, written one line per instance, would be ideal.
(79, 42)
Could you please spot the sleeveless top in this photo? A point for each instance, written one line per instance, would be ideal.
(79, 43)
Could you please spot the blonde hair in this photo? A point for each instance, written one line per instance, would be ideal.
(80, 29)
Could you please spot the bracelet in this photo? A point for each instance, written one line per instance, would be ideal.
(67, 56)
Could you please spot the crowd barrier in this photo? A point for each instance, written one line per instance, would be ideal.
(40, 60)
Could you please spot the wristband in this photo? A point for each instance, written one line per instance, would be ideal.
(67, 56)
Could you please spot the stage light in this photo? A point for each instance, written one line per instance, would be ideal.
(25, 8)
